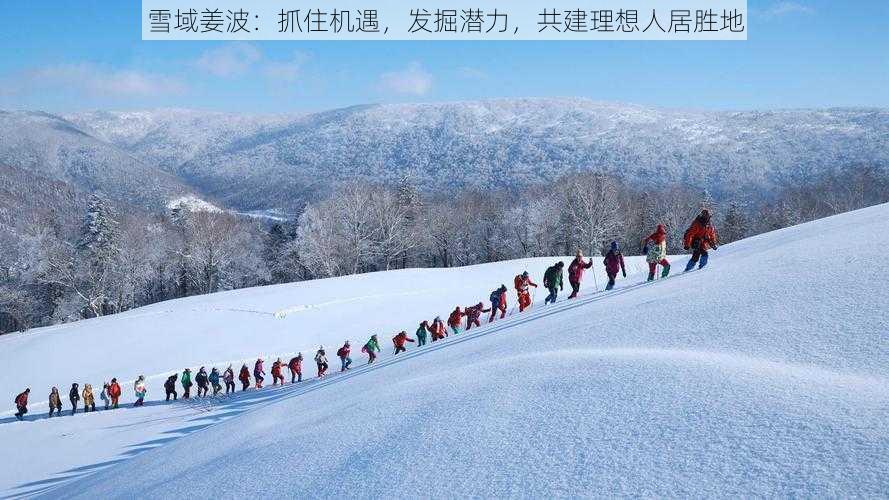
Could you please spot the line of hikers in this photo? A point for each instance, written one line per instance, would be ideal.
(699, 238)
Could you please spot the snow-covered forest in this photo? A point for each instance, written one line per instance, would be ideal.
(96, 256)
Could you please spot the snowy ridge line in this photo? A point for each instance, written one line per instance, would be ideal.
(511, 317)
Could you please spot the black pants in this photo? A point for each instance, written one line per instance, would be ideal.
(399, 349)
(575, 289)
(172, 393)
(56, 409)
(229, 386)
(89, 407)
(21, 412)
(246, 384)
(216, 389)
(186, 393)
(202, 390)
(296, 376)
(74, 406)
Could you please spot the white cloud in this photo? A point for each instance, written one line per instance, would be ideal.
(413, 80)
(230, 60)
(96, 80)
(286, 71)
(785, 8)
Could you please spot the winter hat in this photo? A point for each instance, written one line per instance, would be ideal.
(560, 264)
(661, 228)
(614, 246)
(525, 274)
(438, 319)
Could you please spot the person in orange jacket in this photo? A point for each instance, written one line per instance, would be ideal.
(21, 403)
(522, 282)
(656, 252)
(437, 329)
(700, 237)
(399, 341)
(455, 320)
(276, 372)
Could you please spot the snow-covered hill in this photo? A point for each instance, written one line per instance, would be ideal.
(254, 163)
(766, 374)
(170, 137)
(55, 149)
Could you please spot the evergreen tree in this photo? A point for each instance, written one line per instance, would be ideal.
(735, 225)
(99, 234)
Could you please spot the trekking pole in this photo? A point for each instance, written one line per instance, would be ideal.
(595, 281)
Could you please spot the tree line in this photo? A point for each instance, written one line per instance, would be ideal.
(114, 259)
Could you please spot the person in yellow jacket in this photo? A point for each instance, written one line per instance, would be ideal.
(89, 401)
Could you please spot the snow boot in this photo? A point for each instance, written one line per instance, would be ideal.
(666, 271)
(651, 276)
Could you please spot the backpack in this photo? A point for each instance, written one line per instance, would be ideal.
(495, 296)
(341, 352)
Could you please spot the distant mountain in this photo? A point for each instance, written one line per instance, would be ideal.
(259, 163)
(255, 163)
(168, 138)
(55, 149)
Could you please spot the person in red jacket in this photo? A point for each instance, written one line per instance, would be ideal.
(575, 273)
(455, 320)
(656, 252)
(522, 282)
(437, 329)
(244, 377)
(399, 341)
(114, 393)
(700, 237)
(21, 403)
(473, 313)
(296, 368)
(276, 372)
(614, 262)
(343, 353)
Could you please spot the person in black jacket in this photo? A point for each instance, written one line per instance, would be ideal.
(170, 386)
(74, 397)
(203, 382)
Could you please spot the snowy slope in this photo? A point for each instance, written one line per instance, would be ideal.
(763, 375)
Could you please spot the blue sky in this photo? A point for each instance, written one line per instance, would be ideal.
(801, 53)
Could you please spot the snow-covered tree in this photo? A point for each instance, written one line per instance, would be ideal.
(735, 223)
(592, 210)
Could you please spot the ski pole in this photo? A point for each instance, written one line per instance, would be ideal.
(595, 281)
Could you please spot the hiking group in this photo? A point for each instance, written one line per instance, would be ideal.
(699, 238)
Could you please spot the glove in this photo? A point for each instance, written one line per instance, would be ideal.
(686, 247)
(715, 247)
(624, 273)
